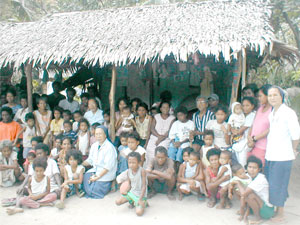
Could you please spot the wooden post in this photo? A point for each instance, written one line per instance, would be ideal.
(236, 79)
(244, 68)
(28, 72)
(112, 103)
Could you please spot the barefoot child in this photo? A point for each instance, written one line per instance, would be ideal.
(73, 177)
(188, 177)
(136, 193)
(208, 138)
(236, 121)
(224, 170)
(38, 189)
(256, 194)
(66, 147)
(83, 143)
(239, 176)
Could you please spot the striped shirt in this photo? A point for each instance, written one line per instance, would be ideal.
(200, 124)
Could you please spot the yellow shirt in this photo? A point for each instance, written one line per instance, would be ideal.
(57, 127)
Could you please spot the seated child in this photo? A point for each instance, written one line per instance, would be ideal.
(21, 113)
(224, 170)
(236, 121)
(67, 115)
(239, 176)
(92, 138)
(208, 138)
(28, 131)
(256, 195)
(73, 177)
(126, 121)
(83, 143)
(30, 157)
(65, 148)
(190, 177)
(123, 140)
(77, 115)
(135, 191)
(179, 135)
(161, 173)
(57, 124)
(34, 141)
(220, 128)
(54, 154)
(10, 170)
(38, 189)
(68, 132)
(84, 103)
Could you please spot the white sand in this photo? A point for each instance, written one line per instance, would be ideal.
(161, 211)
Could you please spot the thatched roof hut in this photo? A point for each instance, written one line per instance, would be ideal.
(138, 34)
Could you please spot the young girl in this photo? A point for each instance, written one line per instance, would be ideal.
(65, 148)
(190, 176)
(220, 128)
(57, 124)
(43, 118)
(38, 189)
(135, 192)
(77, 115)
(30, 157)
(143, 122)
(28, 132)
(73, 177)
(126, 121)
(9, 168)
(208, 138)
(21, 113)
(54, 154)
(83, 143)
(224, 170)
(236, 121)
(241, 148)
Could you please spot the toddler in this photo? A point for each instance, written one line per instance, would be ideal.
(77, 115)
(54, 154)
(208, 144)
(68, 132)
(236, 120)
(126, 121)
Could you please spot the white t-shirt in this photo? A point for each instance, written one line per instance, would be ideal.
(181, 130)
(54, 152)
(219, 136)
(228, 172)
(260, 186)
(139, 150)
(28, 134)
(71, 174)
(50, 171)
(66, 105)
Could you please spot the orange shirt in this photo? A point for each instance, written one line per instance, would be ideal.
(9, 131)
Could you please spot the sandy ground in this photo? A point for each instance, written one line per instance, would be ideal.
(161, 211)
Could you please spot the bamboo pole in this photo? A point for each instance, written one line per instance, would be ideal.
(28, 72)
(236, 79)
(112, 103)
(244, 68)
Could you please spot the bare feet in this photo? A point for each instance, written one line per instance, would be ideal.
(171, 197)
(228, 205)
(60, 205)
(211, 203)
(180, 196)
(12, 211)
(220, 206)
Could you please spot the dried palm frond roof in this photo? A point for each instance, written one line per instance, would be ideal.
(127, 35)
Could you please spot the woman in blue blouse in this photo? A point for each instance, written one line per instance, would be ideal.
(103, 159)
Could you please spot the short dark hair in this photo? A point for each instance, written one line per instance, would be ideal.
(59, 137)
(253, 87)
(161, 149)
(135, 135)
(135, 155)
(43, 147)
(236, 167)
(265, 88)
(31, 154)
(85, 95)
(40, 162)
(71, 89)
(67, 122)
(226, 152)
(77, 155)
(212, 152)
(67, 112)
(124, 99)
(7, 109)
(163, 102)
(209, 133)
(96, 102)
(252, 101)
(67, 138)
(107, 112)
(59, 109)
(23, 96)
(29, 116)
(165, 96)
(124, 134)
(77, 111)
(12, 91)
(83, 120)
(197, 154)
(187, 149)
(138, 100)
(142, 104)
(253, 159)
(221, 108)
(38, 139)
(181, 109)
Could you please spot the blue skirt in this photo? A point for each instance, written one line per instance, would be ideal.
(278, 175)
(97, 189)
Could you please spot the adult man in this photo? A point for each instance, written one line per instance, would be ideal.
(69, 103)
(55, 97)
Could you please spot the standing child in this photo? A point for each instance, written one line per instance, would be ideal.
(54, 154)
(208, 138)
(65, 148)
(190, 176)
(179, 135)
(83, 143)
(73, 177)
(137, 194)
(220, 128)
(236, 121)
(21, 113)
(38, 189)
(224, 170)
(10, 171)
(68, 132)
(28, 132)
(143, 123)
(57, 124)
(77, 115)
(30, 157)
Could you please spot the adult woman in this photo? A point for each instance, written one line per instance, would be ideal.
(240, 148)
(282, 142)
(43, 118)
(103, 159)
(10, 98)
(94, 115)
(200, 119)
(8, 128)
(257, 137)
(160, 127)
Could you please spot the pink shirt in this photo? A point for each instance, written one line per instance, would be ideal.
(260, 124)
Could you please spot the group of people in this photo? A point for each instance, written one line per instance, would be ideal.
(65, 149)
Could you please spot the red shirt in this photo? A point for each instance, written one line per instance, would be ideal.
(9, 131)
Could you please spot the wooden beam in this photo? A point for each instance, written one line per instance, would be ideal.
(28, 72)
(244, 68)
(112, 94)
(236, 79)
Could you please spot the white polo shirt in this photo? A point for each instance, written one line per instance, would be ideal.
(284, 128)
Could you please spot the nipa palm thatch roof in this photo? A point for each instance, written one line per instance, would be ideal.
(127, 35)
